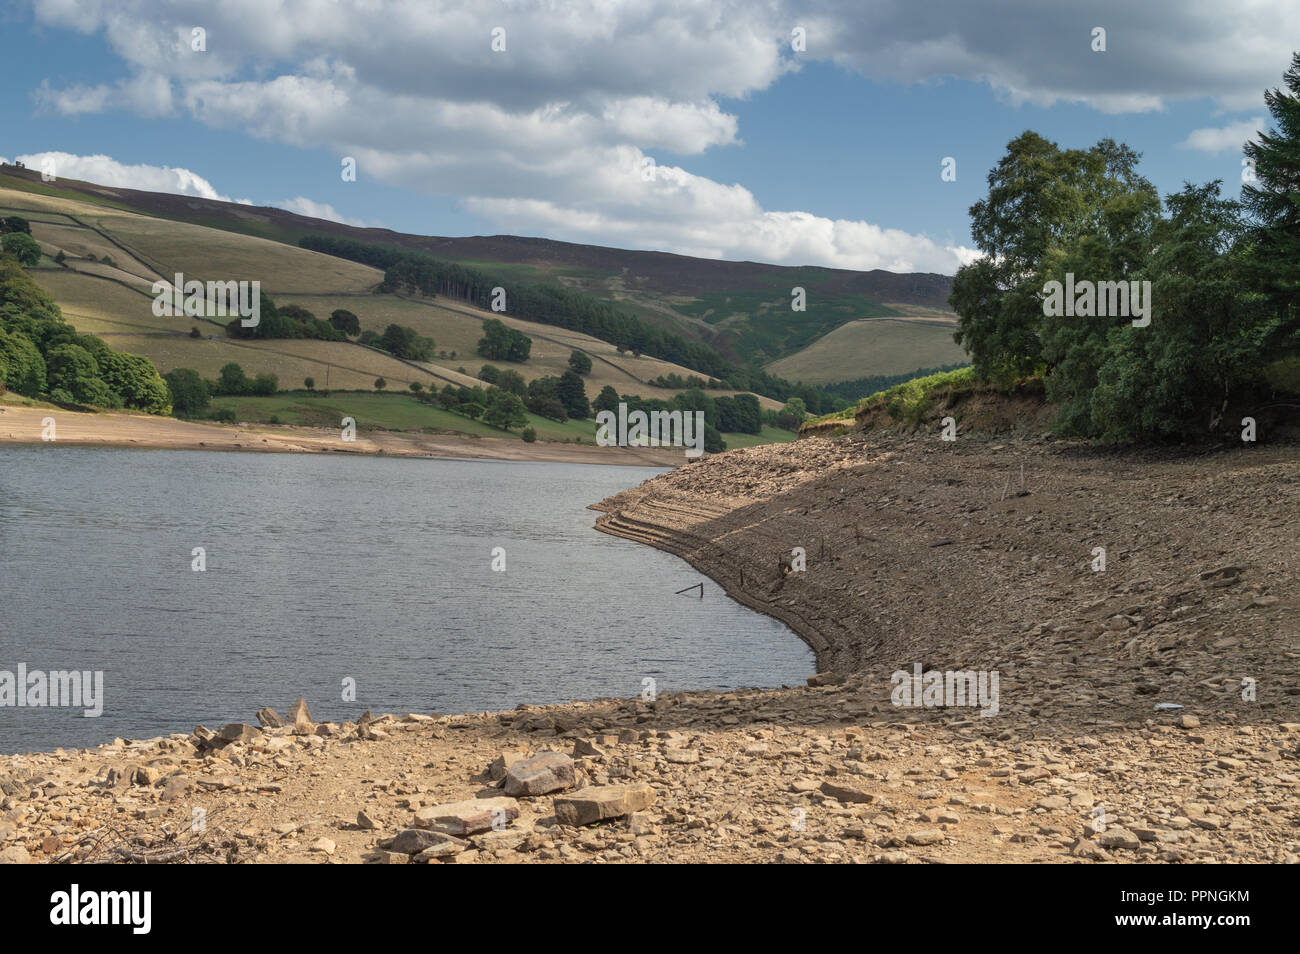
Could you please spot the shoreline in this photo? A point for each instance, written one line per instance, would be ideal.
(22, 425)
(915, 555)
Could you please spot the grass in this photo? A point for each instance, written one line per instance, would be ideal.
(769, 435)
(863, 349)
(907, 403)
(389, 412)
(320, 283)
(403, 412)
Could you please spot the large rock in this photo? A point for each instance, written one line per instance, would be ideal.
(850, 793)
(412, 841)
(239, 732)
(468, 817)
(601, 802)
(540, 775)
(497, 770)
(300, 716)
(269, 718)
(15, 855)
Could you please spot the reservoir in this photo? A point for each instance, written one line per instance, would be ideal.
(329, 575)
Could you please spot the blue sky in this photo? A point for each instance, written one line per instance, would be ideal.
(828, 156)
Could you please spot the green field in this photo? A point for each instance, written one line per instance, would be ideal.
(863, 349)
(402, 412)
(389, 412)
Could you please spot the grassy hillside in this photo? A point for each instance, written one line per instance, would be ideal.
(742, 309)
(870, 347)
(112, 258)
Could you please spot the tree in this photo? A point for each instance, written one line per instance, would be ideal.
(606, 400)
(14, 223)
(1274, 207)
(189, 393)
(579, 362)
(231, 380)
(504, 410)
(380, 384)
(528, 434)
(22, 369)
(309, 383)
(23, 247)
(346, 322)
(1040, 197)
(512, 381)
(135, 380)
(489, 373)
(406, 343)
(264, 385)
(573, 395)
(417, 387)
(500, 343)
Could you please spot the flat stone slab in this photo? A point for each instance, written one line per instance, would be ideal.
(468, 817)
(540, 775)
(601, 802)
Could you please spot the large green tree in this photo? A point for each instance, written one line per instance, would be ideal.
(1041, 198)
(1273, 201)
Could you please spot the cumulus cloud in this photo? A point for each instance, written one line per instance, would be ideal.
(107, 171)
(548, 135)
(104, 170)
(1225, 138)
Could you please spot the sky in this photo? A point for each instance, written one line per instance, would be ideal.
(794, 133)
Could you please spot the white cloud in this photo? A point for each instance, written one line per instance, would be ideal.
(547, 135)
(107, 171)
(301, 205)
(1225, 138)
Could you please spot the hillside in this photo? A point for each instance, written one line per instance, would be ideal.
(873, 346)
(114, 301)
(742, 309)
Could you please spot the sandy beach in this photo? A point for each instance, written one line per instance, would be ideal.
(23, 425)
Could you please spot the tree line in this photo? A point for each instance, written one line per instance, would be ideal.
(1221, 337)
(564, 308)
(42, 356)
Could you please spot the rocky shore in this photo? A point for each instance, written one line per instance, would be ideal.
(917, 552)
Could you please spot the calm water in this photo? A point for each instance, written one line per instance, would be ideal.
(323, 568)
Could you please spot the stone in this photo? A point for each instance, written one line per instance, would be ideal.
(601, 802)
(469, 816)
(15, 855)
(850, 794)
(1117, 837)
(542, 774)
(269, 718)
(323, 845)
(446, 849)
(300, 716)
(926, 836)
(585, 748)
(682, 756)
(239, 732)
(497, 770)
(1188, 722)
(365, 822)
(412, 841)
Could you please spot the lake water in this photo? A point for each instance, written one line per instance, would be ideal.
(321, 569)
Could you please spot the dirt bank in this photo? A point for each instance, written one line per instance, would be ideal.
(22, 425)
